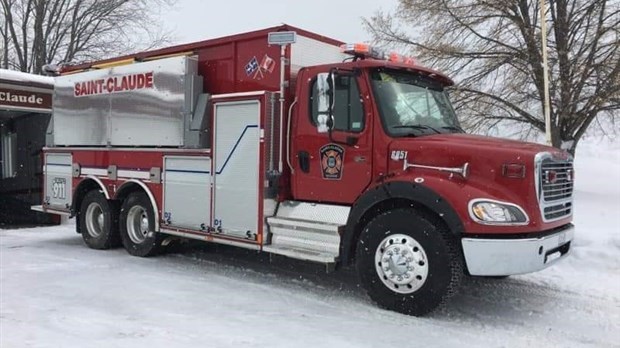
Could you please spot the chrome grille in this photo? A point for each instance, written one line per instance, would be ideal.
(557, 211)
(555, 186)
(556, 179)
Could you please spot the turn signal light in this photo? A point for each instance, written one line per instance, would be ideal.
(513, 170)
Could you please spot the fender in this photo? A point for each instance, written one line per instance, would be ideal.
(100, 183)
(410, 191)
(82, 183)
(148, 193)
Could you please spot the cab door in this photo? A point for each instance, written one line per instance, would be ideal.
(331, 166)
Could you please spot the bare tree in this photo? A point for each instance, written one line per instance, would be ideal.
(493, 47)
(37, 32)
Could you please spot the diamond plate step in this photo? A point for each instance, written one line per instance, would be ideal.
(304, 239)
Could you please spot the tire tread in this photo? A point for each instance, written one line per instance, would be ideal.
(110, 238)
(425, 300)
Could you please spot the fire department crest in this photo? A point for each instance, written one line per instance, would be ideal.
(332, 158)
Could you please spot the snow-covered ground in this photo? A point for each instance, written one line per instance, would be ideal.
(54, 292)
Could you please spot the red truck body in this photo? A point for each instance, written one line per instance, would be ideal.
(317, 159)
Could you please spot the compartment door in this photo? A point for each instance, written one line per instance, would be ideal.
(237, 144)
(187, 192)
(58, 180)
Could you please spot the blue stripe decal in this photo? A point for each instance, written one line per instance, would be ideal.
(58, 164)
(235, 147)
(187, 171)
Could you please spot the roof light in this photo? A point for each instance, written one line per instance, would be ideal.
(365, 51)
(362, 50)
(399, 58)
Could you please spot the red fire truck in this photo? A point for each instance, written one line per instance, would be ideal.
(291, 143)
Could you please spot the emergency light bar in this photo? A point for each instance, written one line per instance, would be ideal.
(399, 58)
(362, 50)
(365, 51)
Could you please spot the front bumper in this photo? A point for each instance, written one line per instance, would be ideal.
(502, 257)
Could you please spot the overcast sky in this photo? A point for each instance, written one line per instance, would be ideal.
(194, 20)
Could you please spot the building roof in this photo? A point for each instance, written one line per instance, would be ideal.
(8, 76)
(22, 93)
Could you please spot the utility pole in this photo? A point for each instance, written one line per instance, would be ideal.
(546, 104)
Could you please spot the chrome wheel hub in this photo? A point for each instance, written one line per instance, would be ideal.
(137, 224)
(401, 263)
(94, 220)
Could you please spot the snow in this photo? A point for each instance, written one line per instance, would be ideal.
(56, 292)
(19, 76)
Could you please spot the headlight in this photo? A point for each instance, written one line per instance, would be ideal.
(491, 212)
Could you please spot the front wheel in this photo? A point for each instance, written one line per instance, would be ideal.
(407, 263)
(137, 226)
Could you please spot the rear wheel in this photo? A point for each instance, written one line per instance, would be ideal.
(137, 226)
(407, 263)
(99, 221)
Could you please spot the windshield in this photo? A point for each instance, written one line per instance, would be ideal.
(412, 104)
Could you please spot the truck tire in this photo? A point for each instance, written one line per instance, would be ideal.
(137, 223)
(406, 263)
(99, 221)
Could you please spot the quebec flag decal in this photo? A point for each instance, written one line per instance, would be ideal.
(252, 66)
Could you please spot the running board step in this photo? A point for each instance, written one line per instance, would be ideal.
(300, 254)
(304, 239)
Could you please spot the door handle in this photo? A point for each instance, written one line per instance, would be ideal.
(304, 161)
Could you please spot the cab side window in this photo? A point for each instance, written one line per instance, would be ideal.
(348, 111)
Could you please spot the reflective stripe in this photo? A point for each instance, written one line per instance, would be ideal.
(94, 171)
(121, 173)
(135, 174)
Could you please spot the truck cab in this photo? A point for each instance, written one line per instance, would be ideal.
(383, 138)
(357, 107)
(385, 122)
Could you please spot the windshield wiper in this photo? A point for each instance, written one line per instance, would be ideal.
(417, 126)
(456, 128)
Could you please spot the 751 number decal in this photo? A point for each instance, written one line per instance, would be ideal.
(398, 155)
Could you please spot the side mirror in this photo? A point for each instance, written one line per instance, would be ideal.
(325, 100)
(322, 123)
(330, 122)
(331, 96)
